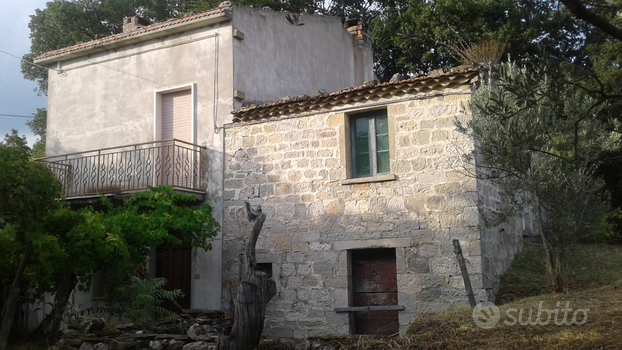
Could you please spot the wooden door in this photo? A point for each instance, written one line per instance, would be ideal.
(175, 264)
(374, 283)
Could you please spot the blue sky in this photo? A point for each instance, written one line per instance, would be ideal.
(16, 93)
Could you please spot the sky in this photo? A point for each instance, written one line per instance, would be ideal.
(17, 94)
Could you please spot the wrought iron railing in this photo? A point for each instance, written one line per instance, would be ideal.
(131, 168)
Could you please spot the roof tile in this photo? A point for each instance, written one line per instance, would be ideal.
(352, 95)
(120, 36)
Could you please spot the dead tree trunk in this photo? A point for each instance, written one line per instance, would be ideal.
(254, 293)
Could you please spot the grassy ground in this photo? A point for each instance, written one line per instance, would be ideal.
(594, 282)
(587, 266)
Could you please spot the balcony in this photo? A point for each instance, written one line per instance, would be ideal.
(132, 168)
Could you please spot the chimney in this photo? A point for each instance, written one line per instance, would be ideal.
(132, 24)
(358, 29)
(363, 54)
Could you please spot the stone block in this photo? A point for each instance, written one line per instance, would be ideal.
(288, 269)
(248, 141)
(334, 207)
(444, 265)
(429, 295)
(283, 189)
(396, 204)
(428, 249)
(467, 199)
(323, 269)
(421, 137)
(432, 178)
(436, 203)
(321, 295)
(418, 264)
(283, 243)
(470, 216)
(440, 135)
(295, 282)
(310, 282)
(295, 257)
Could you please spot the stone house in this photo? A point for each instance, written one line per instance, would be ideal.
(146, 107)
(364, 190)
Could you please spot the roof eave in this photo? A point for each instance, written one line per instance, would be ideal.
(182, 27)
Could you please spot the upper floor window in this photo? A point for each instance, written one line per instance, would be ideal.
(370, 143)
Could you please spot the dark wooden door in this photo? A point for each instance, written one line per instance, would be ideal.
(174, 264)
(374, 279)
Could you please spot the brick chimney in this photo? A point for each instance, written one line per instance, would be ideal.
(363, 54)
(131, 24)
(358, 29)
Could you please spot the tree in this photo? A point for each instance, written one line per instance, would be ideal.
(254, 292)
(602, 21)
(413, 38)
(63, 248)
(115, 241)
(66, 22)
(28, 192)
(38, 126)
(537, 134)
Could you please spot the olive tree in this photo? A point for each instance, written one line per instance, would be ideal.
(538, 134)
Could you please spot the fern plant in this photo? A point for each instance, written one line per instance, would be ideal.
(141, 300)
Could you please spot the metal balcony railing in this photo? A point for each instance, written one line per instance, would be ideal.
(131, 168)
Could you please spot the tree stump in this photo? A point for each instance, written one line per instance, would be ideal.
(253, 295)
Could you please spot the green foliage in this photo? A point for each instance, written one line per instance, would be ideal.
(538, 134)
(610, 230)
(70, 245)
(141, 300)
(588, 266)
(414, 38)
(38, 126)
(28, 191)
(117, 238)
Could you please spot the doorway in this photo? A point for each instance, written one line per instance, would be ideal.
(374, 283)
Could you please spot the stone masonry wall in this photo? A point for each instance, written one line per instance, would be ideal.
(294, 168)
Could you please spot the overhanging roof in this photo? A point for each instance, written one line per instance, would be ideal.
(156, 30)
(362, 93)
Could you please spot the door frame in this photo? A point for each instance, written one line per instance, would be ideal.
(157, 116)
(157, 110)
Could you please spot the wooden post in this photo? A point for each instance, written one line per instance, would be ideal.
(465, 274)
(254, 293)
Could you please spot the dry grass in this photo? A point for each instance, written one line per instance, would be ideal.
(595, 281)
(457, 330)
(487, 52)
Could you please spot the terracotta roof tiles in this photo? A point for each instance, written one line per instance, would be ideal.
(120, 36)
(352, 95)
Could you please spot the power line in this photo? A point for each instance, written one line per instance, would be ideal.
(15, 116)
(59, 71)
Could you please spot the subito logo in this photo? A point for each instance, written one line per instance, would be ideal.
(486, 315)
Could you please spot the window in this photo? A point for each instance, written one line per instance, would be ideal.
(266, 268)
(369, 140)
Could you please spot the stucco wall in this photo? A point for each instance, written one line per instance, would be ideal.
(108, 100)
(293, 169)
(276, 59)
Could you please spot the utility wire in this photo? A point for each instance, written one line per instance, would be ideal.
(59, 71)
(14, 116)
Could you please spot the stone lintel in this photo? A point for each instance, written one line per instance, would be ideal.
(372, 243)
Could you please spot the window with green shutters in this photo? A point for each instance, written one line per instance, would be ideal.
(369, 143)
